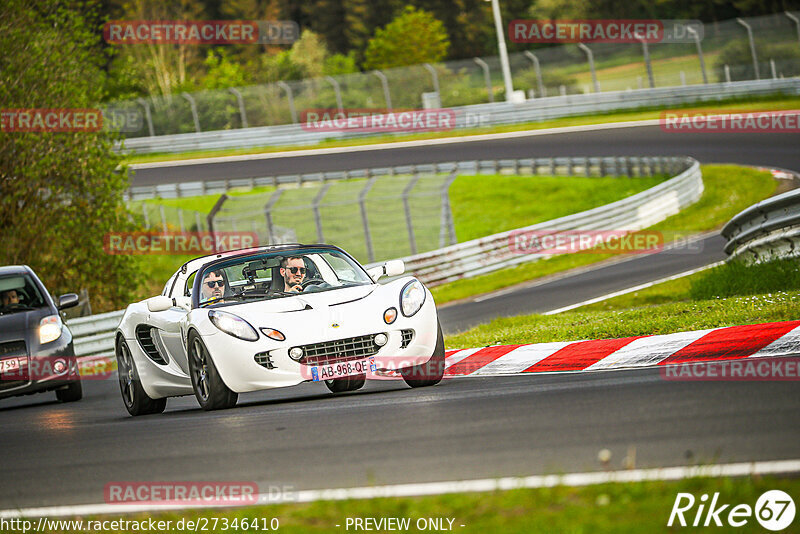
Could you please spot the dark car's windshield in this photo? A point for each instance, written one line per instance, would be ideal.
(19, 293)
(277, 275)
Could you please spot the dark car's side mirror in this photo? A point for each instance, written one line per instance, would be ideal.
(67, 301)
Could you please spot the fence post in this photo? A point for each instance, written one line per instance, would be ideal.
(385, 85)
(146, 218)
(590, 57)
(180, 220)
(752, 45)
(447, 231)
(646, 54)
(163, 219)
(696, 37)
(362, 197)
(290, 95)
(210, 219)
(147, 115)
(240, 101)
(193, 104)
(796, 22)
(435, 78)
(530, 55)
(409, 224)
(317, 218)
(338, 91)
(197, 221)
(772, 68)
(727, 74)
(268, 214)
(486, 76)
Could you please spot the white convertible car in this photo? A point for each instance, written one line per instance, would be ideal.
(272, 317)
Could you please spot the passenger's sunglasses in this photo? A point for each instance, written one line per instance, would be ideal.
(217, 283)
(294, 270)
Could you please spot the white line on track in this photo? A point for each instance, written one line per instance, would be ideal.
(438, 488)
(388, 146)
(632, 289)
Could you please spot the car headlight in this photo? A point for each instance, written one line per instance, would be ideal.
(49, 329)
(233, 325)
(412, 297)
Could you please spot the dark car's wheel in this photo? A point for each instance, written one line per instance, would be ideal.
(210, 390)
(431, 372)
(136, 401)
(71, 393)
(350, 383)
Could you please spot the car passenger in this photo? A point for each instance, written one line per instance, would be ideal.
(9, 298)
(293, 271)
(214, 285)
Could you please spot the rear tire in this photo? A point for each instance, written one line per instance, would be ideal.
(136, 401)
(431, 372)
(72, 393)
(209, 389)
(350, 383)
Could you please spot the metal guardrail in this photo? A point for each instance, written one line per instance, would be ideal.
(498, 113)
(491, 253)
(767, 230)
(94, 335)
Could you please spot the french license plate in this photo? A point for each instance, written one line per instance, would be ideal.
(342, 370)
(12, 364)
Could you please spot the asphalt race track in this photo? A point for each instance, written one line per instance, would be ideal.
(464, 428)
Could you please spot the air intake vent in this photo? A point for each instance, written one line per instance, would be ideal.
(264, 360)
(408, 335)
(144, 334)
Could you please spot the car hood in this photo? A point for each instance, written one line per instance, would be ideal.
(15, 326)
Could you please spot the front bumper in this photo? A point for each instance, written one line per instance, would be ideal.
(47, 367)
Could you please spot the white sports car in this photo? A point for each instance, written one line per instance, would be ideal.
(272, 317)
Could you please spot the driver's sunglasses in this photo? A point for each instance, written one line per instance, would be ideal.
(217, 283)
(294, 270)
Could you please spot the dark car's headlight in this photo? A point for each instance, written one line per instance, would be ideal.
(233, 325)
(49, 329)
(412, 297)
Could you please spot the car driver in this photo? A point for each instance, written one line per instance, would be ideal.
(293, 271)
(9, 298)
(213, 285)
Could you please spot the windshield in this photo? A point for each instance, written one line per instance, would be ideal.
(277, 275)
(19, 293)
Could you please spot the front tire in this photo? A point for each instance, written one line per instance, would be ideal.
(209, 389)
(350, 383)
(431, 372)
(72, 393)
(136, 401)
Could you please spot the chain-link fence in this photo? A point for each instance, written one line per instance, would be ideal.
(725, 53)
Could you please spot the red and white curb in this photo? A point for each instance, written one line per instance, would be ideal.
(730, 343)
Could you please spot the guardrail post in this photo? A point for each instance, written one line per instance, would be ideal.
(210, 218)
(530, 55)
(385, 85)
(193, 104)
(268, 214)
(752, 45)
(552, 166)
(147, 115)
(796, 22)
(590, 57)
(486, 76)
(338, 91)
(696, 38)
(447, 231)
(315, 206)
(588, 167)
(240, 101)
(362, 198)
(434, 77)
(569, 166)
(407, 209)
(290, 95)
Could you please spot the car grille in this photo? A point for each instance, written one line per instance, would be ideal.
(264, 360)
(408, 335)
(145, 336)
(341, 350)
(11, 349)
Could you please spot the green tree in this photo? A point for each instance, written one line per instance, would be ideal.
(413, 37)
(60, 193)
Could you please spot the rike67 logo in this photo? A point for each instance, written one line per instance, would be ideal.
(774, 510)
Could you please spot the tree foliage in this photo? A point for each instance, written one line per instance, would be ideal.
(59, 192)
(413, 37)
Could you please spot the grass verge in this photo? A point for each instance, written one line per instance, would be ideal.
(728, 190)
(771, 102)
(613, 507)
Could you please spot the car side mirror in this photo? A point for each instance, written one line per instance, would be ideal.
(68, 300)
(390, 268)
(159, 303)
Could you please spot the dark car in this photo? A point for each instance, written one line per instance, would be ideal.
(36, 351)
